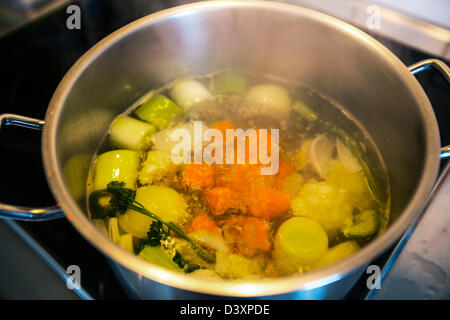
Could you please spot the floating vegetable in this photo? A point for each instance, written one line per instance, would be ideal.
(116, 165)
(325, 204)
(321, 154)
(163, 201)
(126, 242)
(123, 200)
(113, 230)
(157, 166)
(130, 133)
(365, 225)
(157, 255)
(272, 98)
(347, 158)
(158, 110)
(230, 82)
(187, 93)
(299, 242)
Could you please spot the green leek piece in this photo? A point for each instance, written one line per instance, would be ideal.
(158, 110)
(157, 256)
(230, 82)
(365, 225)
(299, 242)
(306, 112)
(130, 133)
(116, 165)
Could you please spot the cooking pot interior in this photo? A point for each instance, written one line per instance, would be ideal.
(300, 47)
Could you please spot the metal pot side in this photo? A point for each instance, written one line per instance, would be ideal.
(280, 40)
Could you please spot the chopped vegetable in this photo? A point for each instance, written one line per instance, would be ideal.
(358, 152)
(230, 82)
(299, 243)
(75, 173)
(187, 93)
(268, 202)
(347, 158)
(124, 200)
(197, 176)
(221, 200)
(210, 239)
(163, 201)
(301, 159)
(272, 98)
(158, 110)
(113, 230)
(157, 237)
(306, 112)
(163, 140)
(247, 235)
(130, 133)
(365, 225)
(285, 169)
(320, 153)
(116, 165)
(325, 204)
(157, 255)
(337, 253)
(157, 166)
(292, 184)
(351, 184)
(126, 242)
(205, 223)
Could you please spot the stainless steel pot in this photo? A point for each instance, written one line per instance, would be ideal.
(284, 41)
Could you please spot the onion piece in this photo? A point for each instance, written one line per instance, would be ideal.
(320, 153)
(187, 93)
(210, 239)
(271, 97)
(346, 157)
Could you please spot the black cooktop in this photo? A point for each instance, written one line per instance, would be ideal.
(34, 58)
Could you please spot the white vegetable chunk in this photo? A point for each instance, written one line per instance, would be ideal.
(321, 154)
(346, 157)
(187, 93)
(271, 98)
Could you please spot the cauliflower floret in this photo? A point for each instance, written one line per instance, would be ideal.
(325, 204)
(157, 166)
(353, 184)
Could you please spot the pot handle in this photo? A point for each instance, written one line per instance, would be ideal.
(445, 72)
(19, 212)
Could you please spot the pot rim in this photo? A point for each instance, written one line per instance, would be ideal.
(264, 287)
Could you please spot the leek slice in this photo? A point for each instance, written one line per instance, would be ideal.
(157, 256)
(230, 82)
(187, 93)
(158, 110)
(130, 133)
(299, 242)
(116, 165)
